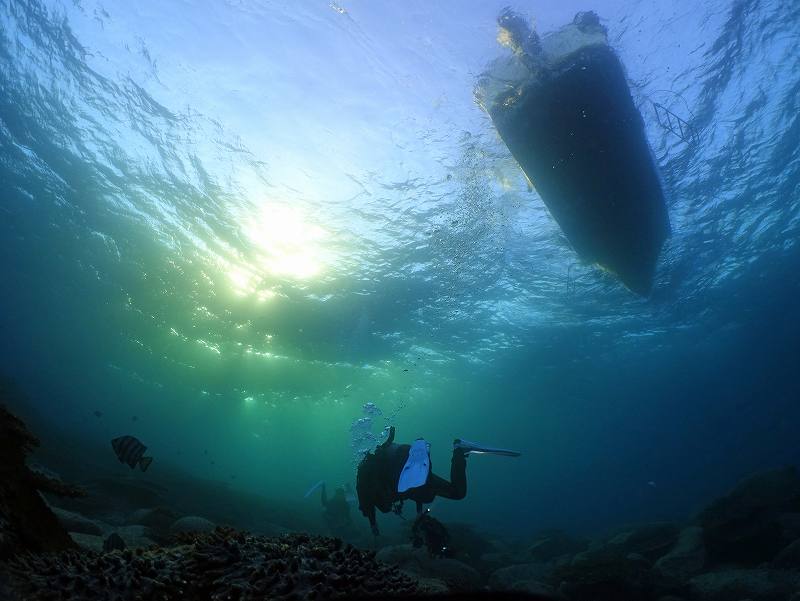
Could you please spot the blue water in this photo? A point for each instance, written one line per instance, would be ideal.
(242, 221)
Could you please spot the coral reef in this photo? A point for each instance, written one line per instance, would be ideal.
(39, 560)
(26, 523)
(224, 564)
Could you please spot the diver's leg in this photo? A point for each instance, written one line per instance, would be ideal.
(458, 474)
(456, 489)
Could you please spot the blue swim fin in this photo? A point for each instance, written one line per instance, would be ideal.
(313, 488)
(417, 468)
(473, 447)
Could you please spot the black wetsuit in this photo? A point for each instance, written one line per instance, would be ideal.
(379, 473)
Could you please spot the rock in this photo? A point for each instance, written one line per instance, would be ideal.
(789, 557)
(159, 519)
(648, 540)
(114, 542)
(640, 559)
(74, 522)
(108, 497)
(747, 526)
(431, 586)
(494, 561)
(755, 584)
(790, 526)
(687, 557)
(136, 537)
(606, 576)
(399, 555)
(457, 575)
(551, 544)
(192, 523)
(533, 587)
(505, 579)
(90, 542)
(26, 522)
(466, 543)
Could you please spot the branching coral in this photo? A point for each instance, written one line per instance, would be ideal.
(221, 565)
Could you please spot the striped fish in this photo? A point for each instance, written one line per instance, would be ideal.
(129, 450)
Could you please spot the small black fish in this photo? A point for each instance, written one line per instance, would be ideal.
(134, 418)
(98, 413)
(129, 450)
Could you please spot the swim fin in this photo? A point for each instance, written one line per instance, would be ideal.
(310, 491)
(473, 447)
(417, 468)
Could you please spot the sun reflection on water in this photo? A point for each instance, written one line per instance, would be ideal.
(288, 244)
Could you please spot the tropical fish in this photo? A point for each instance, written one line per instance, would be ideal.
(98, 413)
(129, 450)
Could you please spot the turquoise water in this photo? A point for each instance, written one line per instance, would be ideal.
(240, 222)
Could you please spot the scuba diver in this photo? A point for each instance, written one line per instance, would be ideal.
(336, 511)
(394, 473)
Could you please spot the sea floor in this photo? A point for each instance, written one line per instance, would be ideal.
(116, 536)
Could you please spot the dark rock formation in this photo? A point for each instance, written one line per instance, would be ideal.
(466, 543)
(136, 536)
(760, 585)
(191, 523)
(74, 522)
(789, 557)
(687, 557)
(418, 562)
(550, 544)
(648, 540)
(26, 522)
(114, 542)
(224, 564)
(607, 577)
(748, 526)
(512, 577)
(109, 497)
(159, 519)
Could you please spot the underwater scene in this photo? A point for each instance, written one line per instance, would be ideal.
(333, 299)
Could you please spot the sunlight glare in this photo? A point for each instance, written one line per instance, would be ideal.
(289, 244)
